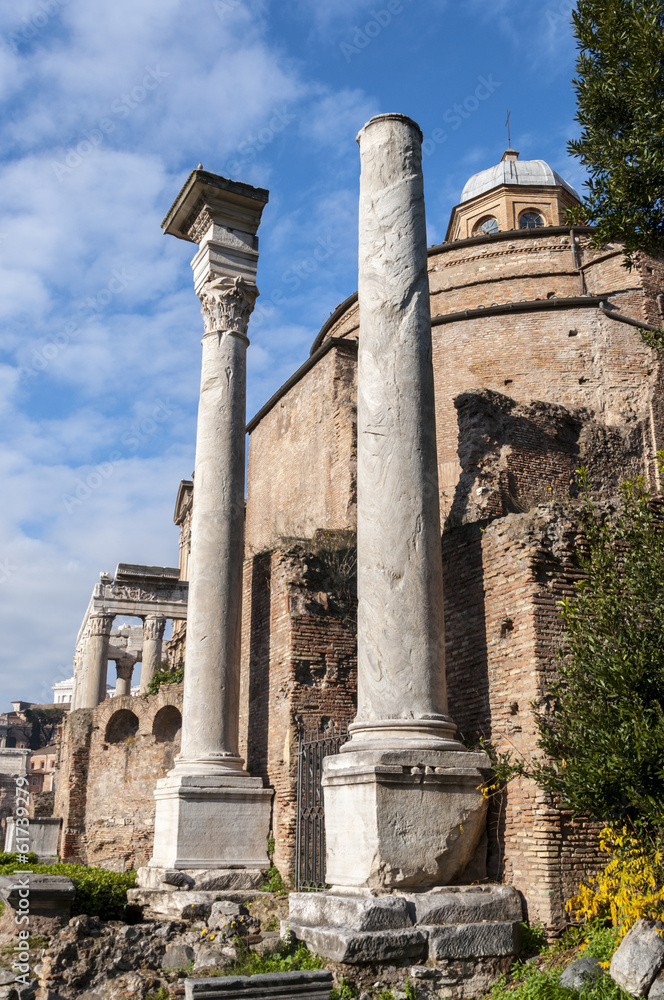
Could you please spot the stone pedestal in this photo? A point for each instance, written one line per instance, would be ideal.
(153, 634)
(402, 801)
(418, 818)
(90, 683)
(211, 814)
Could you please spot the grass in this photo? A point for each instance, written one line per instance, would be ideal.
(540, 979)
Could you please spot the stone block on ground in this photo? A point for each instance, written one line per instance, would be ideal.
(656, 991)
(311, 985)
(581, 973)
(359, 913)
(342, 944)
(178, 956)
(48, 895)
(639, 957)
(208, 957)
(181, 904)
(466, 905)
(473, 940)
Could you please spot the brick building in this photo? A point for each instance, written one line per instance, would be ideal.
(537, 370)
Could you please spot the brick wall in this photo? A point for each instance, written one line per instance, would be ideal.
(502, 635)
(299, 666)
(109, 762)
(302, 457)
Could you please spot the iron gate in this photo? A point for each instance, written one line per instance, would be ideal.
(313, 747)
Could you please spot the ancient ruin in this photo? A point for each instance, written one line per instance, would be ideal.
(441, 415)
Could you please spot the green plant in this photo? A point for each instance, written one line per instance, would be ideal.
(165, 675)
(619, 85)
(344, 991)
(533, 938)
(285, 958)
(603, 727)
(11, 858)
(274, 882)
(99, 892)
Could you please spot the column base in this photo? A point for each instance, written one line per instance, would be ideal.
(471, 923)
(418, 817)
(211, 821)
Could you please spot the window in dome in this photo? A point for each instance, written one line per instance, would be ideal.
(486, 226)
(530, 220)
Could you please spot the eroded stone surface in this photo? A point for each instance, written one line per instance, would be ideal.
(340, 944)
(464, 905)
(473, 940)
(581, 973)
(639, 957)
(353, 912)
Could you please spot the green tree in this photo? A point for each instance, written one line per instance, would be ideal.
(620, 94)
(603, 736)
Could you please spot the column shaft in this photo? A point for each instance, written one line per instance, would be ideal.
(401, 664)
(153, 634)
(125, 670)
(91, 682)
(210, 715)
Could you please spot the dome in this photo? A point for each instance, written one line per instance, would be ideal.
(510, 170)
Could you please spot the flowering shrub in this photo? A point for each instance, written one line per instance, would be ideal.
(630, 887)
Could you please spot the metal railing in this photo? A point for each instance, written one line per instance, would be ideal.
(312, 749)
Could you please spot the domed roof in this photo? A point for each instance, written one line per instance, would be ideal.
(510, 170)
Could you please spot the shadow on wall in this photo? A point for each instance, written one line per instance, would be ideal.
(514, 456)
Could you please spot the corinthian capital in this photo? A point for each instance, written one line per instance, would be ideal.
(227, 304)
(153, 627)
(100, 624)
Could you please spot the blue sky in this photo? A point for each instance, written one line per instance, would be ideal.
(106, 107)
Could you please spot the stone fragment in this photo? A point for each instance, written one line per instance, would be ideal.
(224, 911)
(178, 879)
(656, 991)
(473, 940)
(359, 913)
(310, 985)
(581, 973)
(423, 972)
(208, 957)
(639, 957)
(6, 977)
(8, 993)
(341, 944)
(466, 905)
(178, 956)
(270, 942)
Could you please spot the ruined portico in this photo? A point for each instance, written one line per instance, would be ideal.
(152, 593)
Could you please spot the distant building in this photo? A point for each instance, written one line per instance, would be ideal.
(42, 769)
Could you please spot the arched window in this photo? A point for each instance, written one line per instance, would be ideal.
(530, 219)
(167, 724)
(486, 226)
(121, 726)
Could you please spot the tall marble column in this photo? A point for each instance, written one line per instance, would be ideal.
(153, 634)
(211, 814)
(91, 680)
(125, 670)
(411, 788)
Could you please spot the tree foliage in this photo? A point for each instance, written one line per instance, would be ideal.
(620, 94)
(604, 733)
